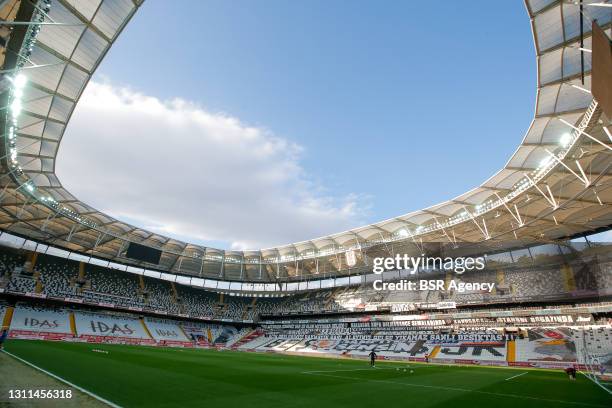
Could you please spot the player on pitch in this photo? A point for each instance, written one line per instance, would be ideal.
(372, 358)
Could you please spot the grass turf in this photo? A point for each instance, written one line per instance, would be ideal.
(146, 376)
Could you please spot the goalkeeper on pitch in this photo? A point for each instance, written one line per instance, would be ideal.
(372, 358)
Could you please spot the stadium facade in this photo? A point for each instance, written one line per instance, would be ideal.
(66, 272)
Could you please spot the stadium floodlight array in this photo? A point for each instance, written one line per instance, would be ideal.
(19, 81)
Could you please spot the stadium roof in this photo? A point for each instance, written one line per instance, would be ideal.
(556, 184)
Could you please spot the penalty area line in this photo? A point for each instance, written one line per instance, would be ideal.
(515, 376)
(57, 377)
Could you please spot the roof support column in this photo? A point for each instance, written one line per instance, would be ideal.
(202, 263)
(551, 200)
(242, 267)
(22, 209)
(582, 132)
(484, 232)
(584, 179)
(260, 260)
(69, 238)
(221, 271)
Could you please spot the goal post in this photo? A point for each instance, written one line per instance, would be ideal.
(597, 367)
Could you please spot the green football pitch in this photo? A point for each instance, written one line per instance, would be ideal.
(133, 376)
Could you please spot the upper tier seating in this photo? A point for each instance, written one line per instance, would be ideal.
(59, 277)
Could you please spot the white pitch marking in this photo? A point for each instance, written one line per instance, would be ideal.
(602, 387)
(57, 377)
(461, 390)
(346, 370)
(515, 376)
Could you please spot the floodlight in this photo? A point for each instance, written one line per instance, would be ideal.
(544, 162)
(565, 139)
(20, 81)
(16, 107)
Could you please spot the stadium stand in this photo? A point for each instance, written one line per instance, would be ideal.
(22, 284)
(111, 286)
(33, 322)
(58, 277)
(535, 283)
(159, 296)
(111, 328)
(202, 334)
(538, 337)
(253, 343)
(236, 308)
(196, 302)
(9, 261)
(166, 332)
(494, 328)
(595, 342)
(236, 337)
(536, 346)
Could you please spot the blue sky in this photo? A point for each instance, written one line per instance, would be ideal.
(393, 105)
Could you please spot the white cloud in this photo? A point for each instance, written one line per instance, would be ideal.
(177, 169)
